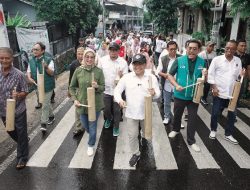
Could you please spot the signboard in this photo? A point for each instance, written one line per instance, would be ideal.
(4, 40)
(26, 39)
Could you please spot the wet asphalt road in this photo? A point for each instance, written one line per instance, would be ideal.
(230, 174)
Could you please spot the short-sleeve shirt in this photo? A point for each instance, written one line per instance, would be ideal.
(191, 66)
(14, 78)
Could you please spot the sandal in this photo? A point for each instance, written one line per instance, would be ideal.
(20, 165)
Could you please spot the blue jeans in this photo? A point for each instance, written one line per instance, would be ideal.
(167, 96)
(218, 105)
(90, 127)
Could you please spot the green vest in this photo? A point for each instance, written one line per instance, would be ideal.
(184, 79)
(36, 65)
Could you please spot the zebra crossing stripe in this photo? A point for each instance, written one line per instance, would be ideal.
(164, 158)
(122, 153)
(80, 158)
(203, 159)
(235, 151)
(245, 111)
(45, 153)
(241, 126)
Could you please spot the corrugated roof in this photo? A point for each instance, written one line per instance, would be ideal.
(132, 3)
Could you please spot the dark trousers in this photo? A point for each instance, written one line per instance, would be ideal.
(20, 136)
(218, 105)
(112, 110)
(179, 106)
(206, 90)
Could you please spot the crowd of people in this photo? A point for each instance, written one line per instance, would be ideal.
(119, 68)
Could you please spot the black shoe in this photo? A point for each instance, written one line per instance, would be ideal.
(38, 106)
(203, 101)
(51, 120)
(77, 132)
(43, 127)
(134, 159)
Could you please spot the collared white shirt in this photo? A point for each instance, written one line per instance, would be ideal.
(136, 89)
(167, 86)
(110, 70)
(224, 73)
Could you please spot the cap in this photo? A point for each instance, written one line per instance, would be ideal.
(118, 41)
(139, 58)
(114, 45)
(209, 43)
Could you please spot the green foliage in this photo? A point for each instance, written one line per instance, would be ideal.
(242, 6)
(147, 18)
(199, 36)
(76, 14)
(18, 21)
(163, 14)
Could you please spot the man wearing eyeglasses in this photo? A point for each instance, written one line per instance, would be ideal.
(188, 69)
(208, 54)
(43, 63)
(222, 74)
(163, 68)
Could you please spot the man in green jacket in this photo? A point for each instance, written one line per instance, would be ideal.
(42, 63)
(187, 69)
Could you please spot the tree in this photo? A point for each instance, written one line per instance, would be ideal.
(242, 6)
(76, 14)
(163, 14)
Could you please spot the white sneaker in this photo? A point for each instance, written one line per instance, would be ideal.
(212, 135)
(172, 134)
(182, 126)
(165, 121)
(195, 147)
(90, 151)
(231, 139)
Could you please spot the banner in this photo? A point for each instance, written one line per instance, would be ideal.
(26, 39)
(4, 40)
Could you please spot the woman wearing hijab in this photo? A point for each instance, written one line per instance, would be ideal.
(81, 80)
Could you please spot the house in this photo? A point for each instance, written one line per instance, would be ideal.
(223, 26)
(122, 14)
(23, 7)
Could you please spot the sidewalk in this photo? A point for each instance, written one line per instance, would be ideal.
(33, 115)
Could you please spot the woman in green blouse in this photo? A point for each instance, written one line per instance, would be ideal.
(81, 80)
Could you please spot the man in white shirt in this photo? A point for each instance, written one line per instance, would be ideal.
(136, 86)
(222, 74)
(208, 54)
(114, 67)
(163, 68)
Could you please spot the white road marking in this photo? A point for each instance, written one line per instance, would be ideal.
(45, 153)
(12, 157)
(80, 158)
(122, 153)
(245, 111)
(164, 158)
(240, 125)
(203, 159)
(235, 151)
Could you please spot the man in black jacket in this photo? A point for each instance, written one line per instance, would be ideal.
(73, 66)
